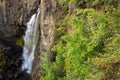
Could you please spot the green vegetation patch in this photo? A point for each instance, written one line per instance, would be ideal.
(20, 42)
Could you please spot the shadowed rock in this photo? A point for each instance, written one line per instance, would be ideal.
(23, 76)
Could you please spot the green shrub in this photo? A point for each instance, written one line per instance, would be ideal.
(77, 48)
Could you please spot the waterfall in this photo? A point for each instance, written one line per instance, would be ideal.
(30, 42)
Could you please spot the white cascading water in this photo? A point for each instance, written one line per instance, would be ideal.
(30, 42)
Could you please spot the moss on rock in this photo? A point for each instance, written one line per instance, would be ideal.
(20, 42)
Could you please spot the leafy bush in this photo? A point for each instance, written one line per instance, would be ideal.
(89, 29)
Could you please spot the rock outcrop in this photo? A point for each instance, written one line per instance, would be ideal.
(47, 26)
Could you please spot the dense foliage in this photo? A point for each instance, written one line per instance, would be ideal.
(86, 43)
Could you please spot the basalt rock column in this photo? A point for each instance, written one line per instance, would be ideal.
(47, 27)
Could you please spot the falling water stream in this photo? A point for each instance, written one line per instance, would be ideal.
(30, 42)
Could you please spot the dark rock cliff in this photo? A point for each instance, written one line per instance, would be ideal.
(14, 14)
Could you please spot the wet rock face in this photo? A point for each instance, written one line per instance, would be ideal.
(14, 14)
